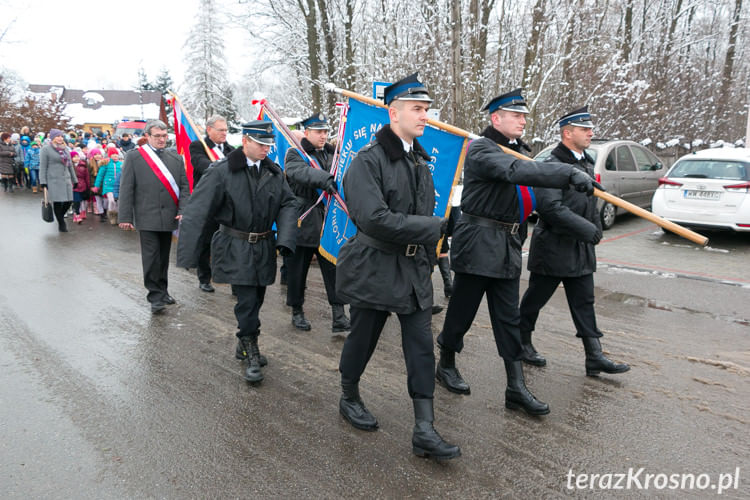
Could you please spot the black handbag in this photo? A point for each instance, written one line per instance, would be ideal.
(47, 215)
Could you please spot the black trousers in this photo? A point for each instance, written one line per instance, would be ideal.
(59, 208)
(298, 264)
(416, 342)
(580, 294)
(155, 246)
(502, 302)
(249, 301)
(204, 259)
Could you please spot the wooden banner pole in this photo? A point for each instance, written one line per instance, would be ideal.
(686, 233)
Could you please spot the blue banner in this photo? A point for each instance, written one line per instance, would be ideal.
(278, 150)
(362, 122)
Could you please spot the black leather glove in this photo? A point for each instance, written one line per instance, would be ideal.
(598, 186)
(443, 226)
(597, 237)
(582, 182)
(43, 186)
(284, 251)
(331, 186)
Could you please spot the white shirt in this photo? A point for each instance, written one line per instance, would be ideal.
(255, 164)
(407, 146)
(579, 156)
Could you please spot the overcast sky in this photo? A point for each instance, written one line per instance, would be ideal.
(99, 44)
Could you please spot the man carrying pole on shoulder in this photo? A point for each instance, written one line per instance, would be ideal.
(486, 244)
(385, 268)
(305, 182)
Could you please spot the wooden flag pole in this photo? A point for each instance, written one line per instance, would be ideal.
(686, 233)
(209, 153)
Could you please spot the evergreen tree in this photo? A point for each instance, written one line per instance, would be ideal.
(143, 83)
(163, 84)
(206, 80)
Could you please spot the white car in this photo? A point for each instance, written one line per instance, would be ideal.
(709, 189)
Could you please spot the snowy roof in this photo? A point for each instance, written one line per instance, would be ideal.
(104, 106)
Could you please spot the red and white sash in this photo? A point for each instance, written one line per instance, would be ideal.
(161, 172)
(219, 154)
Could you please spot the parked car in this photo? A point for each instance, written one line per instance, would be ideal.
(626, 169)
(709, 189)
(133, 127)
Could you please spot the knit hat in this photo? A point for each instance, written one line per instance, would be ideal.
(74, 154)
(15, 136)
(94, 151)
(55, 133)
(111, 151)
(34, 143)
(26, 138)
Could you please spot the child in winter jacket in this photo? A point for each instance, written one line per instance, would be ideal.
(32, 163)
(82, 190)
(105, 183)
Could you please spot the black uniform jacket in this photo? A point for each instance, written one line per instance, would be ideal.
(199, 158)
(230, 195)
(568, 220)
(388, 202)
(144, 201)
(305, 181)
(490, 178)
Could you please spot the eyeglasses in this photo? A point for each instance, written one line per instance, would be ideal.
(159, 136)
(221, 129)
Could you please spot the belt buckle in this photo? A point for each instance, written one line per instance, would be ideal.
(411, 249)
(514, 228)
(252, 237)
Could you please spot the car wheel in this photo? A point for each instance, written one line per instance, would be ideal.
(607, 215)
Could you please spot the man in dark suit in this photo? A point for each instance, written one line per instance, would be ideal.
(153, 190)
(217, 148)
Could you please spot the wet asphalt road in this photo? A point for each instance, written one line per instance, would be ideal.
(100, 399)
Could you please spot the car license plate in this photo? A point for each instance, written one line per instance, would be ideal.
(692, 194)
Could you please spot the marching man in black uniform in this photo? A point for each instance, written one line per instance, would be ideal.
(385, 268)
(305, 181)
(216, 141)
(245, 193)
(486, 244)
(562, 250)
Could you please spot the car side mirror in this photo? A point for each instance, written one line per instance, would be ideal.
(657, 166)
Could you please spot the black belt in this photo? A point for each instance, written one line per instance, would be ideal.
(508, 227)
(409, 250)
(242, 235)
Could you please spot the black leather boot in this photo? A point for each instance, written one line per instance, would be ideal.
(253, 373)
(445, 271)
(340, 321)
(517, 395)
(529, 355)
(298, 319)
(447, 374)
(425, 441)
(437, 309)
(596, 361)
(353, 409)
(240, 353)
